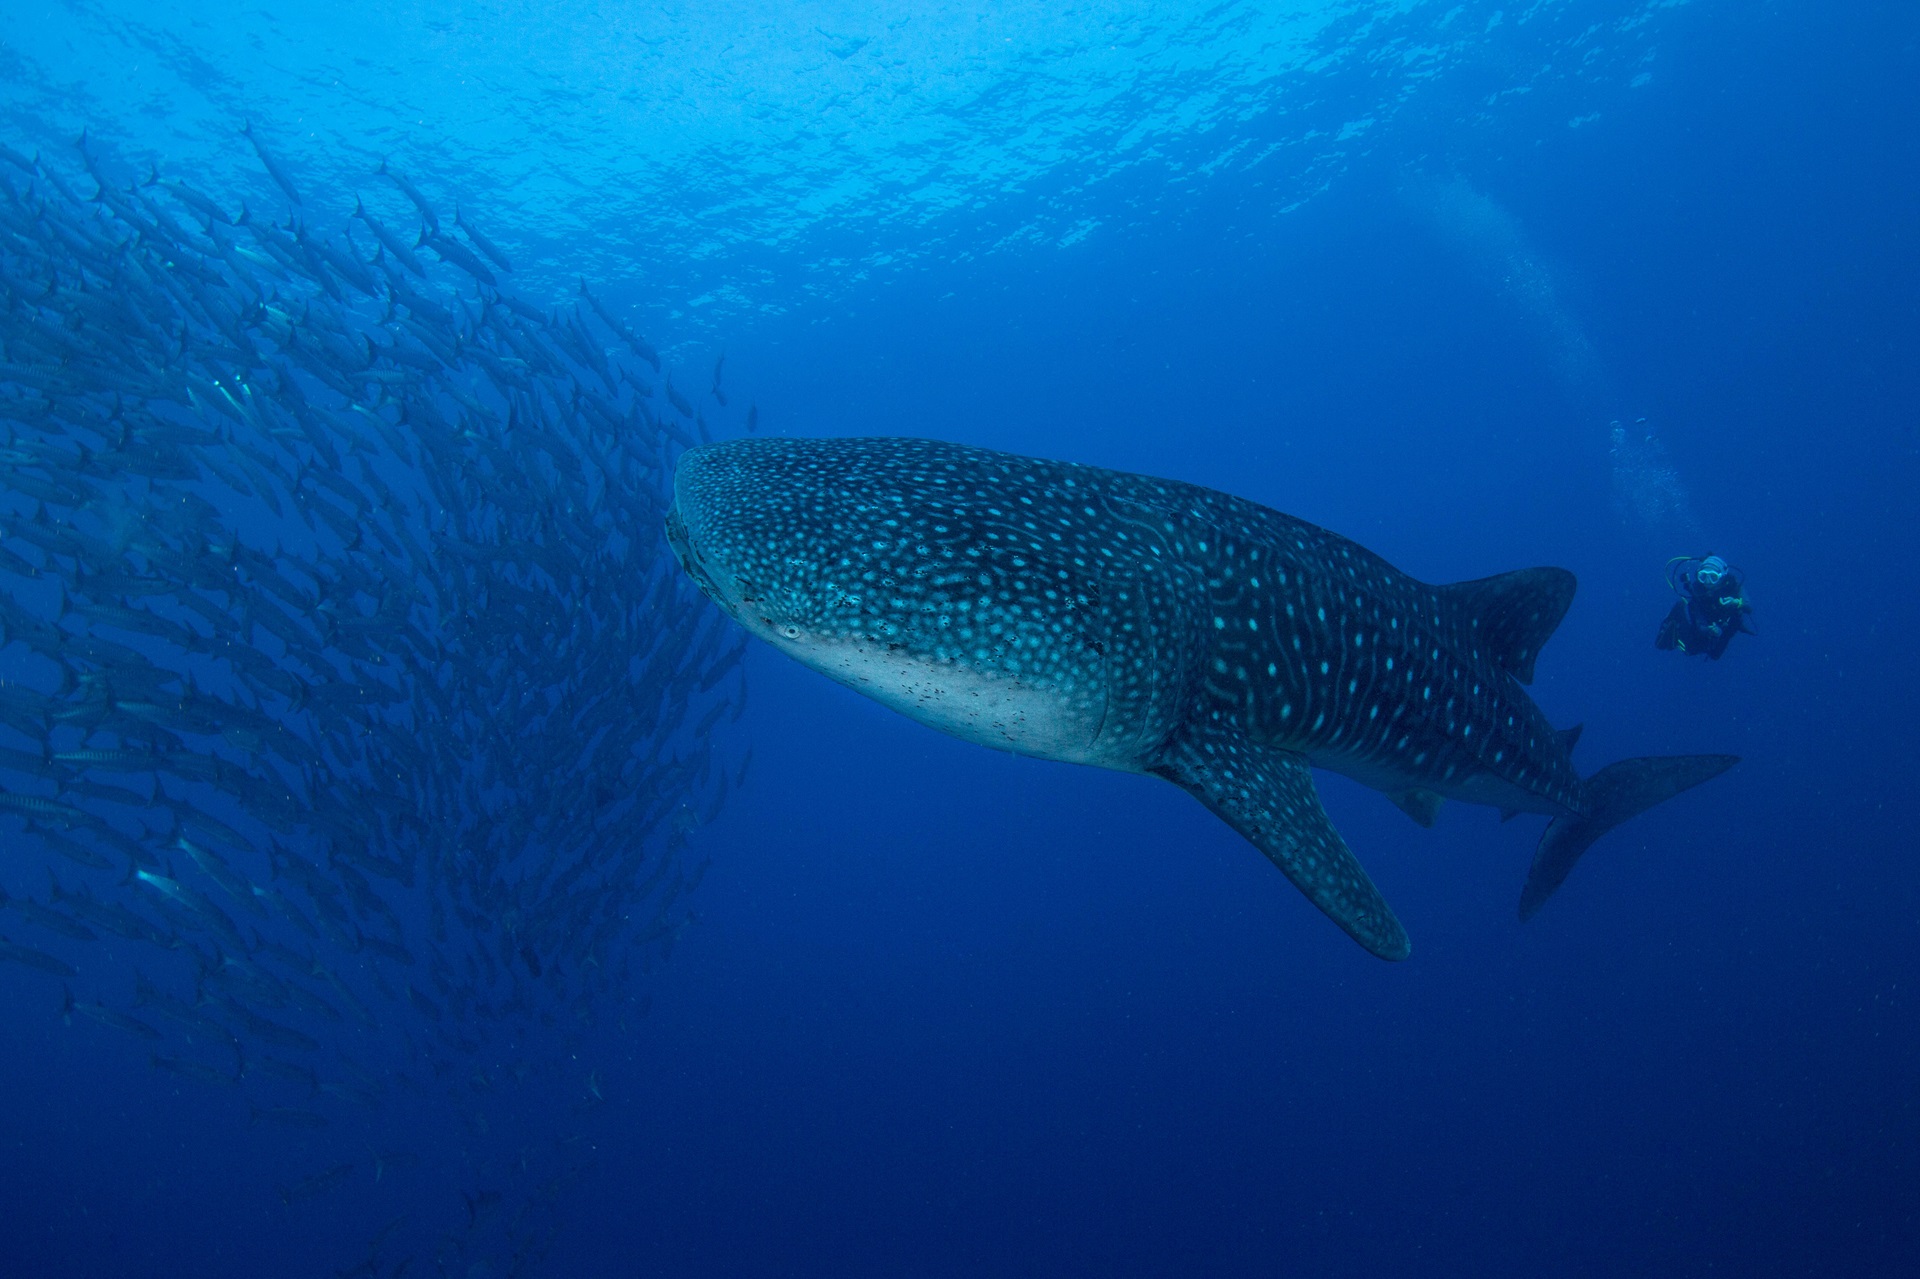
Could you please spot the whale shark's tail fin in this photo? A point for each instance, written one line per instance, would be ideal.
(1618, 791)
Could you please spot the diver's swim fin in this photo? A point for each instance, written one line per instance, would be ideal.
(1618, 791)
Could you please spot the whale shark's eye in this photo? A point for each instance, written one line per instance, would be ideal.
(790, 630)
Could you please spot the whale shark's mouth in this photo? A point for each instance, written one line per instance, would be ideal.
(689, 557)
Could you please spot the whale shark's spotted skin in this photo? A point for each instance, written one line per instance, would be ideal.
(1138, 624)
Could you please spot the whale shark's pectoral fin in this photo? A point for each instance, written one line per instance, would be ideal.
(1268, 796)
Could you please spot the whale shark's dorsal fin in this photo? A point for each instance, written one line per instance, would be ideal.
(1267, 795)
(1511, 616)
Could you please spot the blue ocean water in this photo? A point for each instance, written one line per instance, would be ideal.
(1481, 286)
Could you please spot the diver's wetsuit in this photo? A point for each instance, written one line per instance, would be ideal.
(1707, 616)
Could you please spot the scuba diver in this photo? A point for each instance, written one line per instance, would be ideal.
(1712, 607)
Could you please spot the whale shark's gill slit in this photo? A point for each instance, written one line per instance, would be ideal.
(1106, 698)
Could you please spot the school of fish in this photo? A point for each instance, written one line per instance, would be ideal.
(353, 717)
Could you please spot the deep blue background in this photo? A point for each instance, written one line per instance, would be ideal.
(951, 1012)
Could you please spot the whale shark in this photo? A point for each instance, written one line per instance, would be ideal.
(1153, 626)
